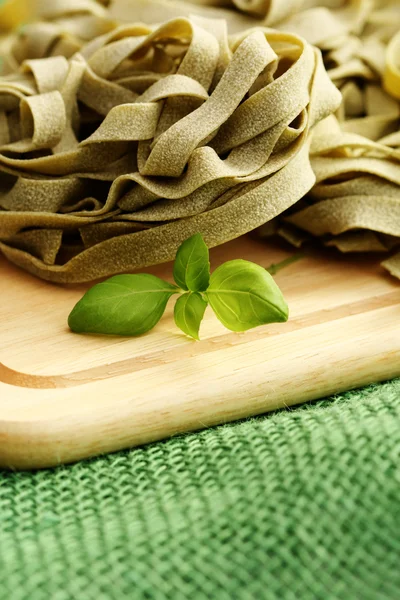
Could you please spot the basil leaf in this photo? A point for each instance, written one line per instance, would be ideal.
(189, 313)
(122, 305)
(243, 295)
(192, 265)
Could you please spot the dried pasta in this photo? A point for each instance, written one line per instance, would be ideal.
(125, 127)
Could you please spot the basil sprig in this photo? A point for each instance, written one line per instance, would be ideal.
(242, 294)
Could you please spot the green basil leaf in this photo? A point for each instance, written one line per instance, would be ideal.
(122, 305)
(192, 265)
(243, 295)
(189, 313)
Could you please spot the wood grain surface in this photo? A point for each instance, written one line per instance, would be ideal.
(64, 397)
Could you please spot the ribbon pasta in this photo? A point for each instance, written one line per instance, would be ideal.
(119, 140)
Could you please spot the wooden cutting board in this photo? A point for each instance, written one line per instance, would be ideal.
(64, 397)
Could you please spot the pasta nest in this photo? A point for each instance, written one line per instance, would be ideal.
(110, 158)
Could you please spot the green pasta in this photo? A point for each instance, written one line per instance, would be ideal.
(120, 137)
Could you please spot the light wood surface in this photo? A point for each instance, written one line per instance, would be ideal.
(64, 397)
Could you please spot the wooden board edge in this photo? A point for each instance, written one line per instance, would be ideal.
(115, 425)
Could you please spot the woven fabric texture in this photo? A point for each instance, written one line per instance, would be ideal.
(300, 504)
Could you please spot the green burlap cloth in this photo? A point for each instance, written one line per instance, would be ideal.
(301, 504)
